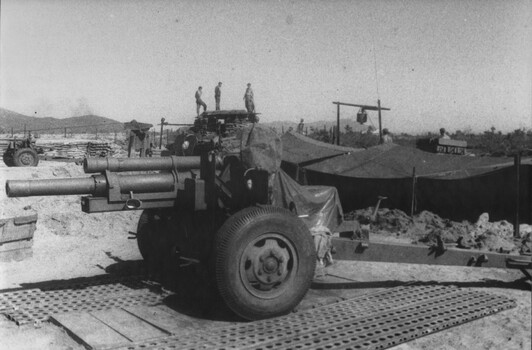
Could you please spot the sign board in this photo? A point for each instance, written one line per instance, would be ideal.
(448, 146)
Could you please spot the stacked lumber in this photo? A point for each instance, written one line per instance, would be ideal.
(81, 149)
(78, 149)
(98, 149)
(64, 149)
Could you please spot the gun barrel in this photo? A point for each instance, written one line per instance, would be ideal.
(96, 185)
(97, 165)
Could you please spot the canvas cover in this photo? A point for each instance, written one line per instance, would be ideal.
(389, 161)
(317, 206)
(299, 149)
(260, 147)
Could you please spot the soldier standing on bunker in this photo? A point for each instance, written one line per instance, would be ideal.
(301, 126)
(386, 136)
(249, 100)
(199, 101)
(217, 94)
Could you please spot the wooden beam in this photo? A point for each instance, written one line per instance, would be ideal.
(367, 107)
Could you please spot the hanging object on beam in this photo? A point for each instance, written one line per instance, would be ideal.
(362, 116)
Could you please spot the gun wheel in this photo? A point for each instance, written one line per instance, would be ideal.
(8, 158)
(152, 237)
(25, 157)
(265, 262)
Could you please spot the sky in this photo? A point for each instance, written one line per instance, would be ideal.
(463, 65)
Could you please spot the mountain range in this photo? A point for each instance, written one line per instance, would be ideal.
(16, 122)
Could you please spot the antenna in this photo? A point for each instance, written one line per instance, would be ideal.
(374, 57)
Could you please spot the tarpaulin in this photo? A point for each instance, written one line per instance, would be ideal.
(260, 148)
(298, 149)
(391, 161)
(316, 205)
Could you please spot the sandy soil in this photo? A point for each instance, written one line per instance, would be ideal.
(69, 244)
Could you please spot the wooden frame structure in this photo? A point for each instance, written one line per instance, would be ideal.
(364, 107)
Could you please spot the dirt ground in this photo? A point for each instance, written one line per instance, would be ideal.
(70, 244)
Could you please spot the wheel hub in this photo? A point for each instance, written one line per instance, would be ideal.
(270, 267)
(271, 264)
(267, 265)
(26, 159)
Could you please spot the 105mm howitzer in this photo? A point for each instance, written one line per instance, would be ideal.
(111, 190)
(213, 210)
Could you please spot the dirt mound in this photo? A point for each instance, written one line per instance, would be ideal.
(426, 227)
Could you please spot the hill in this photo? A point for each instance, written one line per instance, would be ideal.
(17, 122)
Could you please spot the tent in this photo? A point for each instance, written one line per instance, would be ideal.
(455, 187)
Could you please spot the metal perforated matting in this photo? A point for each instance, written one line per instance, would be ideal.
(36, 305)
(374, 321)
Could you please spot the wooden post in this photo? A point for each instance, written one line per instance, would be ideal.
(161, 136)
(65, 133)
(282, 129)
(130, 144)
(517, 164)
(413, 202)
(24, 130)
(380, 121)
(338, 124)
(167, 136)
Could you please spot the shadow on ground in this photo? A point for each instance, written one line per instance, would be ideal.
(189, 290)
(520, 284)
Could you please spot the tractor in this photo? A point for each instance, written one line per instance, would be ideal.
(21, 152)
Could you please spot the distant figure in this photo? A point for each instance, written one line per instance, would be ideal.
(31, 138)
(199, 101)
(249, 99)
(444, 134)
(217, 94)
(301, 126)
(386, 137)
